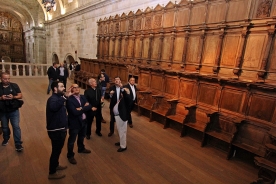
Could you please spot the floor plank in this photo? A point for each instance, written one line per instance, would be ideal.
(154, 155)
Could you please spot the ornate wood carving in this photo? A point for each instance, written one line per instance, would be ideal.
(264, 9)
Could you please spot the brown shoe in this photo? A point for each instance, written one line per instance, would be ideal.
(110, 134)
(131, 126)
(56, 175)
(59, 167)
(72, 160)
(84, 151)
(103, 121)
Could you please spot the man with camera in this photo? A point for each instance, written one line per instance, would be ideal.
(10, 94)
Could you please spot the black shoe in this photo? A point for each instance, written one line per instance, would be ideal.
(72, 160)
(121, 149)
(99, 134)
(117, 144)
(87, 137)
(84, 151)
(130, 125)
(110, 134)
(5, 142)
(19, 148)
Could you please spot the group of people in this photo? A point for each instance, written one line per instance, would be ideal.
(68, 109)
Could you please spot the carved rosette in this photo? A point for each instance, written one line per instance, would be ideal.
(148, 23)
(264, 9)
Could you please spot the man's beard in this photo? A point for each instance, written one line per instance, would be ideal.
(59, 92)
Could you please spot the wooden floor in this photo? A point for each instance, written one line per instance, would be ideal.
(154, 154)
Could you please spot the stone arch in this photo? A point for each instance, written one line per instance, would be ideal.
(69, 58)
(5, 59)
(55, 58)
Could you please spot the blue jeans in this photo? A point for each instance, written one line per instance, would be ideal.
(103, 91)
(49, 87)
(14, 118)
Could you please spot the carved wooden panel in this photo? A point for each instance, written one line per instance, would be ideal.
(233, 100)
(157, 21)
(130, 47)
(238, 10)
(231, 43)
(131, 25)
(116, 47)
(123, 25)
(157, 82)
(166, 48)
(145, 48)
(182, 17)
(123, 74)
(186, 89)
(217, 12)
(171, 85)
(137, 48)
(138, 24)
(262, 107)
(193, 49)
(198, 14)
(263, 9)
(148, 22)
(113, 72)
(143, 81)
(168, 19)
(111, 47)
(272, 62)
(210, 49)
(178, 48)
(156, 42)
(207, 94)
(254, 51)
(123, 47)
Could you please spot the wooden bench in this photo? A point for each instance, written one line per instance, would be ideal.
(177, 112)
(160, 107)
(198, 119)
(223, 128)
(252, 137)
(145, 102)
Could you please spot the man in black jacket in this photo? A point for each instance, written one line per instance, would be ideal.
(132, 89)
(76, 105)
(56, 118)
(120, 112)
(53, 75)
(93, 96)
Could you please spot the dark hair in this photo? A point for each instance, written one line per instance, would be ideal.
(103, 70)
(55, 85)
(76, 62)
(54, 63)
(117, 77)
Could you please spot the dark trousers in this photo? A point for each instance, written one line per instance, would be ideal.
(57, 140)
(73, 133)
(90, 117)
(112, 121)
(129, 118)
(64, 80)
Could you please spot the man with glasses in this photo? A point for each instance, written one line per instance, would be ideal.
(76, 105)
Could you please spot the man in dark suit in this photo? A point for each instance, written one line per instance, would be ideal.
(120, 112)
(132, 89)
(113, 101)
(63, 74)
(94, 97)
(76, 105)
(53, 75)
(77, 66)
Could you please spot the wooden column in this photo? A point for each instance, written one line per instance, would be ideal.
(133, 49)
(262, 71)
(201, 44)
(113, 38)
(218, 55)
(107, 48)
(98, 46)
(171, 49)
(141, 48)
(241, 47)
(126, 48)
(150, 48)
(185, 46)
(119, 47)
(103, 48)
(161, 39)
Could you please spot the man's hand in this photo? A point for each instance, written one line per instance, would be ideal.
(93, 108)
(112, 92)
(79, 109)
(68, 92)
(86, 104)
(7, 97)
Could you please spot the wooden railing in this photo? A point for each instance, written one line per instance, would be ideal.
(25, 69)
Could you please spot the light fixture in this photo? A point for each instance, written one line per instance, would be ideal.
(49, 4)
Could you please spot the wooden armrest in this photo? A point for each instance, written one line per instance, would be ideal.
(189, 106)
(144, 92)
(211, 113)
(172, 100)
